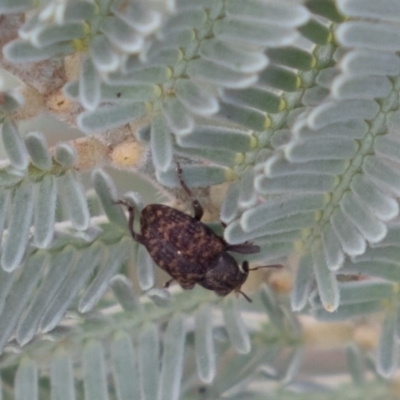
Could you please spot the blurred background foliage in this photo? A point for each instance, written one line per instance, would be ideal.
(284, 116)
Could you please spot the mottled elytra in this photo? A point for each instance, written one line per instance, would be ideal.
(188, 250)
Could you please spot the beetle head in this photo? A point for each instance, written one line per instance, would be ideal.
(225, 276)
(244, 274)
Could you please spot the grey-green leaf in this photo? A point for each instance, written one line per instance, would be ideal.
(18, 228)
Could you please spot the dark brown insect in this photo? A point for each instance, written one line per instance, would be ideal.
(188, 250)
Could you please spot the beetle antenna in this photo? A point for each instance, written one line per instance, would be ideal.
(267, 266)
(245, 296)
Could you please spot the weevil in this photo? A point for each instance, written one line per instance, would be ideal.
(188, 250)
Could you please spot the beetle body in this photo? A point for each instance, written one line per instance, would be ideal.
(179, 244)
(188, 250)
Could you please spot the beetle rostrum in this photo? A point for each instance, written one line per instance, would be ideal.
(188, 250)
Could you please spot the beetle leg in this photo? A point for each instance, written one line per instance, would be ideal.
(167, 283)
(245, 296)
(197, 208)
(243, 248)
(131, 211)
